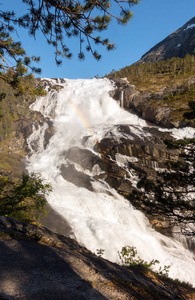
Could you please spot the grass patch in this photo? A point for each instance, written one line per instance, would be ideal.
(11, 163)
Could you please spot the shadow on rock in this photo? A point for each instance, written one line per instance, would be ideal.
(31, 271)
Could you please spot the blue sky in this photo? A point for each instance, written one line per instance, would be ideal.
(153, 20)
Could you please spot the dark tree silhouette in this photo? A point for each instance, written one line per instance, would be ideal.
(58, 21)
(172, 194)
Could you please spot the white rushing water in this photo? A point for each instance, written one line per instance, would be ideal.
(101, 219)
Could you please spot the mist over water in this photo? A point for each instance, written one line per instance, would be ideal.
(100, 218)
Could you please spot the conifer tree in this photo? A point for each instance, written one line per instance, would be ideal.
(58, 21)
(171, 196)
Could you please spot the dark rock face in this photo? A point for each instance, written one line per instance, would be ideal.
(87, 160)
(48, 133)
(177, 44)
(121, 84)
(127, 160)
(148, 105)
(84, 157)
(55, 87)
(123, 162)
(135, 158)
(78, 178)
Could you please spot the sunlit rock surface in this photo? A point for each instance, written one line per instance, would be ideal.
(96, 149)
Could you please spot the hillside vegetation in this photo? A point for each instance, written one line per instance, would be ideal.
(153, 76)
(15, 105)
(171, 84)
(15, 124)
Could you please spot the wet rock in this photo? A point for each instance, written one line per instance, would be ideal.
(120, 85)
(78, 178)
(49, 132)
(85, 158)
(138, 157)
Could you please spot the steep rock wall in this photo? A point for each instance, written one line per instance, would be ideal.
(151, 106)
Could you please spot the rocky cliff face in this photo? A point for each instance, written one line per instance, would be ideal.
(153, 107)
(177, 44)
(124, 161)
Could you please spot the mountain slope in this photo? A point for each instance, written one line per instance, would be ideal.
(165, 78)
(177, 44)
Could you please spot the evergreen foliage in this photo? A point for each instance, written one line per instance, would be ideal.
(171, 84)
(23, 199)
(58, 21)
(171, 194)
(153, 76)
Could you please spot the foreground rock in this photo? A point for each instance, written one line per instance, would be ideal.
(58, 268)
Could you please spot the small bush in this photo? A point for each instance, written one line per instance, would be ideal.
(100, 252)
(128, 257)
(23, 200)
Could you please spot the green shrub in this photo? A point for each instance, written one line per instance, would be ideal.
(24, 199)
(128, 257)
(100, 252)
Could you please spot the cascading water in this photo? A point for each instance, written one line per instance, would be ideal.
(100, 218)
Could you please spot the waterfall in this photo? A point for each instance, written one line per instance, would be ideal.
(122, 99)
(82, 110)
